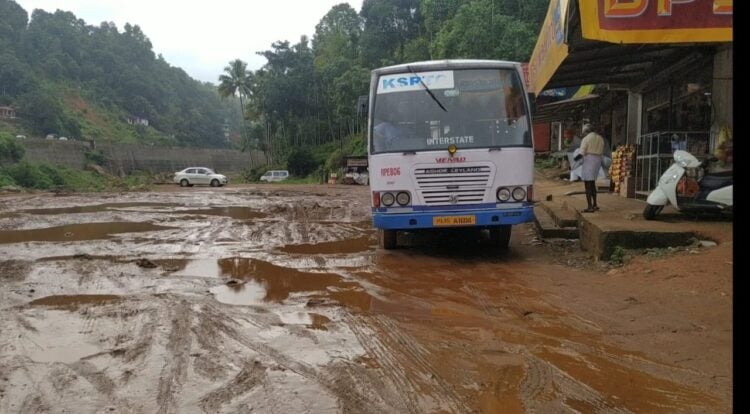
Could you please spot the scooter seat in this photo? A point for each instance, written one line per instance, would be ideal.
(717, 180)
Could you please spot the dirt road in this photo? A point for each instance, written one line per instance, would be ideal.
(275, 299)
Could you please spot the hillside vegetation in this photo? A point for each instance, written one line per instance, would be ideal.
(70, 78)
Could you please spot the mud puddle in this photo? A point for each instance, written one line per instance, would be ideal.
(310, 320)
(257, 281)
(237, 213)
(358, 245)
(72, 302)
(77, 232)
(245, 294)
(96, 208)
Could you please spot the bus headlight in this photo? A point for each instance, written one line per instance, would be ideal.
(503, 194)
(519, 193)
(403, 198)
(387, 199)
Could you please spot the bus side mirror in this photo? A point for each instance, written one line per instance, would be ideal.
(532, 102)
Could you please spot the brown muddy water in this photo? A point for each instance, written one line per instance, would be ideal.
(76, 232)
(235, 212)
(300, 312)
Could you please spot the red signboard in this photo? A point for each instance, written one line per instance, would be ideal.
(657, 21)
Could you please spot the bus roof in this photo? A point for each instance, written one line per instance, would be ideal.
(446, 64)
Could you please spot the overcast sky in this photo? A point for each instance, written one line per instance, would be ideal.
(202, 37)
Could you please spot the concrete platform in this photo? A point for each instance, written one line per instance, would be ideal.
(620, 222)
(549, 229)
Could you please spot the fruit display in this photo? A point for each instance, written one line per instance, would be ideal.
(724, 148)
(623, 160)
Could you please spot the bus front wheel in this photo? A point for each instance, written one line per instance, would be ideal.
(500, 236)
(387, 239)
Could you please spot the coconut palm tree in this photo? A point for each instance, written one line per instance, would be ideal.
(237, 80)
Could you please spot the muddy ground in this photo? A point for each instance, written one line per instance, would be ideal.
(275, 299)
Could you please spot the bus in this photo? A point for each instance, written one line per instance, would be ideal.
(450, 145)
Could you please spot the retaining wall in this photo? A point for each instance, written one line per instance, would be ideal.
(125, 158)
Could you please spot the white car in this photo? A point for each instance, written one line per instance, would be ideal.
(275, 175)
(199, 175)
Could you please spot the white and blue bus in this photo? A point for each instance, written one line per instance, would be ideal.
(450, 145)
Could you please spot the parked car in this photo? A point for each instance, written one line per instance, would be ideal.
(63, 138)
(199, 175)
(275, 175)
(20, 136)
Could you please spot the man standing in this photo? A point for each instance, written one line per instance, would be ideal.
(592, 147)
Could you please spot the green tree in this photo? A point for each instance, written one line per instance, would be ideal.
(300, 162)
(479, 31)
(10, 150)
(40, 112)
(389, 26)
(237, 80)
(13, 20)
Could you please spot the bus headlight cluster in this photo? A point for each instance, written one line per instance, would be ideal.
(403, 198)
(505, 194)
(519, 193)
(387, 199)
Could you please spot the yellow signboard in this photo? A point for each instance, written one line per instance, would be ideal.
(551, 48)
(657, 21)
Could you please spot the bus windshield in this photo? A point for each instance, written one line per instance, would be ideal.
(471, 108)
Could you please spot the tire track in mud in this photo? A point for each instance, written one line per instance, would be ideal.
(174, 371)
(351, 397)
(417, 354)
(495, 312)
(403, 386)
(543, 384)
(251, 375)
(393, 349)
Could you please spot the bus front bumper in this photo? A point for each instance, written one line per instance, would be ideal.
(455, 218)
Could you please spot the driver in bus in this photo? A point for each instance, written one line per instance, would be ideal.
(387, 131)
(386, 134)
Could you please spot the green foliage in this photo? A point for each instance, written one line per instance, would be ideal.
(618, 256)
(70, 78)
(95, 157)
(5, 179)
(47, 177)
(300, 162)
(334, 161)
(480, 30)
(29, 175)
(544, 163)
(10, 150)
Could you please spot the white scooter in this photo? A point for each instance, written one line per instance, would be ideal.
(688, 187)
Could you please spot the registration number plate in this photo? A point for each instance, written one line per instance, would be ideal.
(454, 220)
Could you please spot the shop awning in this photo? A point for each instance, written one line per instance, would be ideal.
(561, 110)
(620, 42)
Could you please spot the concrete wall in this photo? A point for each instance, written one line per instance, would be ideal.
(125, 158)
(65, 153)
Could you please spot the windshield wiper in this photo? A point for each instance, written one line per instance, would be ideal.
(427, 89)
